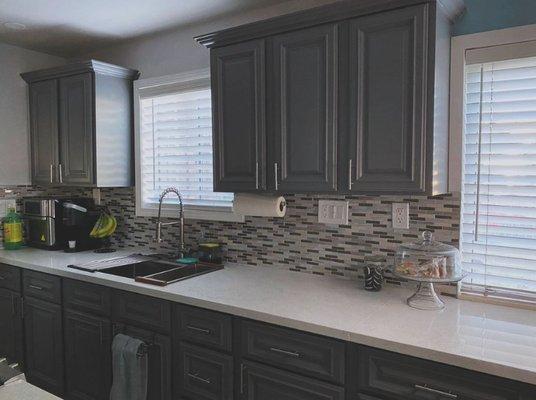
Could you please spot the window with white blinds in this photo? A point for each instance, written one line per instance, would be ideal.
(498, 219)
(175, 147)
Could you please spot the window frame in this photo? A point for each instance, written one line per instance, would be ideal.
(162, 85)
(459, 47)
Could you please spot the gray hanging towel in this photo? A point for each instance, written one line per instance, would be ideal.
(129, 358)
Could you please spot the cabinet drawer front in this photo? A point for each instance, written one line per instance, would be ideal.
(204, 374)
(383, 373)
(265, 383)
(86, 297)
(42, 286)
(9, 277)
(301, 352)
(143, 311)
(205, 327)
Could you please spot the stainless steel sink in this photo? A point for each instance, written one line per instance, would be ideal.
(161, 273)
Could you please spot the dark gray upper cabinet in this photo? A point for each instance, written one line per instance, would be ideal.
(76, 129)
(238, 96)
(387, 76)
(44, 131)
(302, 97)
(356, 99)
(81, 124)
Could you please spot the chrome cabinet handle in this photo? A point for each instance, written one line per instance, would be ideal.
(35, 287)
(51, 173)
(256, 175)
(441, 393)
(242, 368)
(285, 352)
(22, 308)
(13, 311)
(350, 174)
(60, 173)
(198, 378)
(198, 329)
(275, 174)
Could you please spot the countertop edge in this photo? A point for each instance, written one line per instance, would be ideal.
(474, 364)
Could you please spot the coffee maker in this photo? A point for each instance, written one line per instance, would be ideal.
(51, 223)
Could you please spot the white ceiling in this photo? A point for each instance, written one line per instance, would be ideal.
(74, 27)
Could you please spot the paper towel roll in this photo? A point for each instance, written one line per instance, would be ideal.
(259, 206)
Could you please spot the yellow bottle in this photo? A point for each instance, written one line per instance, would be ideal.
(12, 230)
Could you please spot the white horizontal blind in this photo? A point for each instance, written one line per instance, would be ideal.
(498, 222)
(176, 148)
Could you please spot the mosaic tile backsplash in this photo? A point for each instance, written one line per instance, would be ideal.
(297, 242)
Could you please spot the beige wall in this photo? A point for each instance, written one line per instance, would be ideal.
(176, 51)
(14, 129)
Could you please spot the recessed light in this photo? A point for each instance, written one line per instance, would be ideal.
(16, 26)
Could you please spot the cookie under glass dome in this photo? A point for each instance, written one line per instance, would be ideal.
(428, 262)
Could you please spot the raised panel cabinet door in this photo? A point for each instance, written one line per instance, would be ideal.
(388, 60)
(302, 98)
(238, 99)
(159, 383)
(76, 130)
(44, 131)
(43, 336)
(260, 382)
(10, 327)
(88, 363)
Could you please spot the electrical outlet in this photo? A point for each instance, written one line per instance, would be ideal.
(400, 215)
(96, 196)
(333, 212)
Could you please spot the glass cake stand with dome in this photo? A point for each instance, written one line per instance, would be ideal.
(428, 262)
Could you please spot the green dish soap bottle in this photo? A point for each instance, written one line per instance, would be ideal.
(12, 230)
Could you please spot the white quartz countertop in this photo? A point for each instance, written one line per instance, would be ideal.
(483, 337)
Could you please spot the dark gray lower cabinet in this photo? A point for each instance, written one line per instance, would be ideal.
(265, 383)
(43, 336)
(203, 374)
(88, 342)
(10, 326)
(159, 353)
(390, 376)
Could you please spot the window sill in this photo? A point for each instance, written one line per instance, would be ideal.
(199, 213)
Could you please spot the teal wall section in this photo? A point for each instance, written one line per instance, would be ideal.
(488, 15)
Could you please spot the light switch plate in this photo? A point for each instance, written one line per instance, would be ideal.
(400, 215)
(333, 212)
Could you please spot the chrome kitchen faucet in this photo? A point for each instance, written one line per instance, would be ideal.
(159, 223)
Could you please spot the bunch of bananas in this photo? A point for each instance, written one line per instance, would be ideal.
(104, 227)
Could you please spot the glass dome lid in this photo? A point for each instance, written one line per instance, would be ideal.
(429, 246)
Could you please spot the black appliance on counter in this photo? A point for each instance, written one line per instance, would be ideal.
(51, 223)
